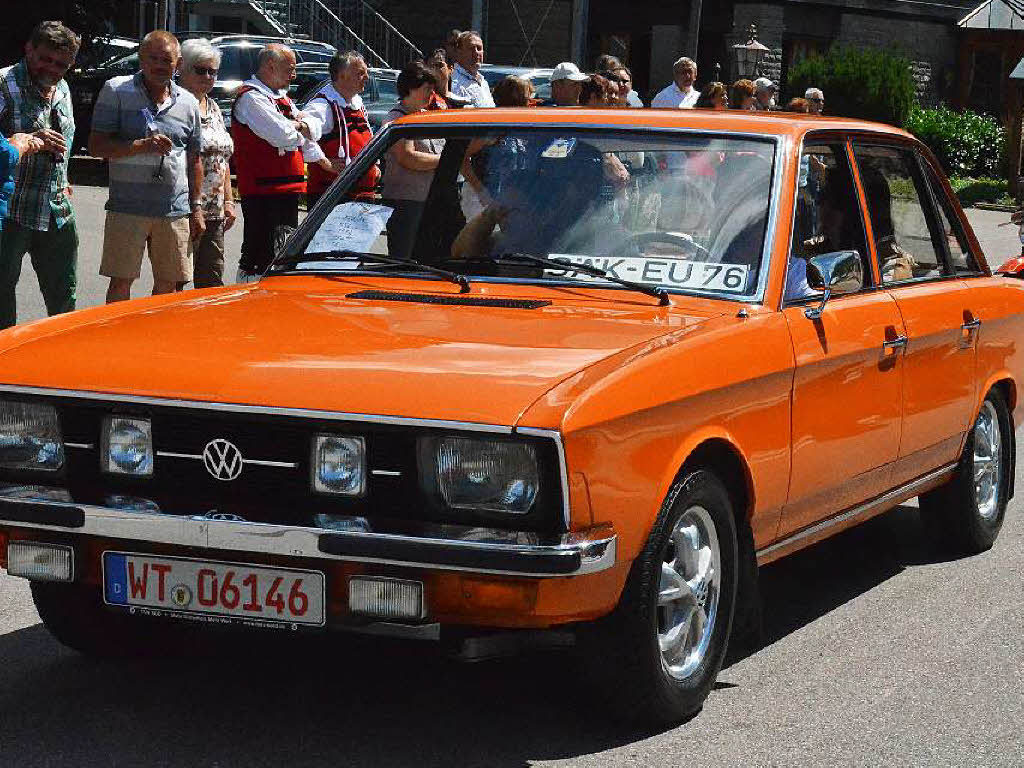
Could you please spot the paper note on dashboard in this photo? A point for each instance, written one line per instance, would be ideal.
(350, 227)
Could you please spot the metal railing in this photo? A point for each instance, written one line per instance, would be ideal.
(346, 24)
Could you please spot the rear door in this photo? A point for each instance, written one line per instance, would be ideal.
(910, 242)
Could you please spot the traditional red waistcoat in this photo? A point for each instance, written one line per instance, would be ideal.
(351, 130)
(261, 168)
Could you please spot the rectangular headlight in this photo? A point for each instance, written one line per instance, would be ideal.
(339, 465)
(127, 447)
(487, 475)
(30, 437)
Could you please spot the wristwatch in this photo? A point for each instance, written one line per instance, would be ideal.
(196, 205)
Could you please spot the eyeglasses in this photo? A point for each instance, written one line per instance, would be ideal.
(207, 71)
(817, 101)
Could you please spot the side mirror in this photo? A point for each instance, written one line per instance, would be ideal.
(835, 273)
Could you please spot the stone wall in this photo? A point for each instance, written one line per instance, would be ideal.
(929, 44)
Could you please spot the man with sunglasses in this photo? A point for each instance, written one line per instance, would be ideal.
(151, 131)
(34, 99)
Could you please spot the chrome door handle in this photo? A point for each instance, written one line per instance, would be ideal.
(900, 342)
(969, 332)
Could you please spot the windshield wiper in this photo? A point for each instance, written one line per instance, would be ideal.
(568, 266)
(418, 266)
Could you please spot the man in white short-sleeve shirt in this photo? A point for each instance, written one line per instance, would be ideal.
(680, 93)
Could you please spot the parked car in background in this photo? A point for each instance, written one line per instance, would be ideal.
(675, 349)
(379, 96)
(238, 62)
(103, 49)
(539, 77)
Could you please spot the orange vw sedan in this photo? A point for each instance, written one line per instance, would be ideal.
(569, 375)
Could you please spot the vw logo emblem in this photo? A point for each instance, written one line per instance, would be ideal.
(222, 459)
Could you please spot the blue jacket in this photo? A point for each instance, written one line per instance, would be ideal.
(8, 159)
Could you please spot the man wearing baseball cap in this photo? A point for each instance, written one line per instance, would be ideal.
(566, 82)
(764, 95)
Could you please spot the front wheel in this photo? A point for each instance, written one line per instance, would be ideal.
(966, 513)
(657, 656)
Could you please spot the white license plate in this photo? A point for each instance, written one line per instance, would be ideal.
(197, 587)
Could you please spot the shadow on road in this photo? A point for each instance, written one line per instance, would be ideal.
(803, 587)
(333, 701)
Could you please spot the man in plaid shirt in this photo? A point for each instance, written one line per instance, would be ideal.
(35, 99)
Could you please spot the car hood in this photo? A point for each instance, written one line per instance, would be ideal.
(304, 343)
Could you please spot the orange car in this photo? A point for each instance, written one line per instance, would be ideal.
(572, 375)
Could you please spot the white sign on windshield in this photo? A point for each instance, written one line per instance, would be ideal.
(350, 227)
(658, 270)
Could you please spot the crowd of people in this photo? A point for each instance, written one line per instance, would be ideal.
(169, 151)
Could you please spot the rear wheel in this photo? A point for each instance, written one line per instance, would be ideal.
(966, 513)
(657, 656)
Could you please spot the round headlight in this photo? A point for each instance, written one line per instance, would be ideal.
(338, 465)
(129, 446)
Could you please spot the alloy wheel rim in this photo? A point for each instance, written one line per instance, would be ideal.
(688, 593)
(988, 448)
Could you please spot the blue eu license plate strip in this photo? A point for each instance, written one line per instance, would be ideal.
(115, 578)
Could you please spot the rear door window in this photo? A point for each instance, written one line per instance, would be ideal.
(908, 239)
(960, 256)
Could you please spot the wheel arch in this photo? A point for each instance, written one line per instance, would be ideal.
(722, 457)
(1006, 386)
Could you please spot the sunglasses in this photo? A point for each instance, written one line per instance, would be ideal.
(207, 71)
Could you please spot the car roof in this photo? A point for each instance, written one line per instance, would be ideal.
(291, 42)
(763, 123)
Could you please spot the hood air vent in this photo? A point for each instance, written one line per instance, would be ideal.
(433, 298)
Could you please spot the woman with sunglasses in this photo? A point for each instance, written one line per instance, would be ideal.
(199, 64)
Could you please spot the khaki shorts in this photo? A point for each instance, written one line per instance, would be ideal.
(125, 236)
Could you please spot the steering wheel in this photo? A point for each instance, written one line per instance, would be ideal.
(679, 239)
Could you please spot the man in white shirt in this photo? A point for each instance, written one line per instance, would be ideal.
(273, 140)
(338, 123)
(466, 78)
(680, 93)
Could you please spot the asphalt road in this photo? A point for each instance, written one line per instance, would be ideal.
(880, 651)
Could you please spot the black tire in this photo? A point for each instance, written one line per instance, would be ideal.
(622, 651)
(952, 512)
(75, 615)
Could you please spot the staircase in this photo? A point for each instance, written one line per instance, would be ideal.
(345, 24)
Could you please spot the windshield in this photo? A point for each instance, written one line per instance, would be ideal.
(686, 212)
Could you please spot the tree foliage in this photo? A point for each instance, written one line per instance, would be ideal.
(965, 143)
(869, 83)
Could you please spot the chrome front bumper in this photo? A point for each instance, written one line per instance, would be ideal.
(452, 548)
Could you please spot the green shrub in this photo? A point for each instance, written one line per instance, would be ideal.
(965, 143)
(869, 84)
(984, 190)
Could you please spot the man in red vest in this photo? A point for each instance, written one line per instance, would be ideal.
(273, 141)
(338, 120)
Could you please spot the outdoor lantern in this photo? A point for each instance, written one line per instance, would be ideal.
(749, 55)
